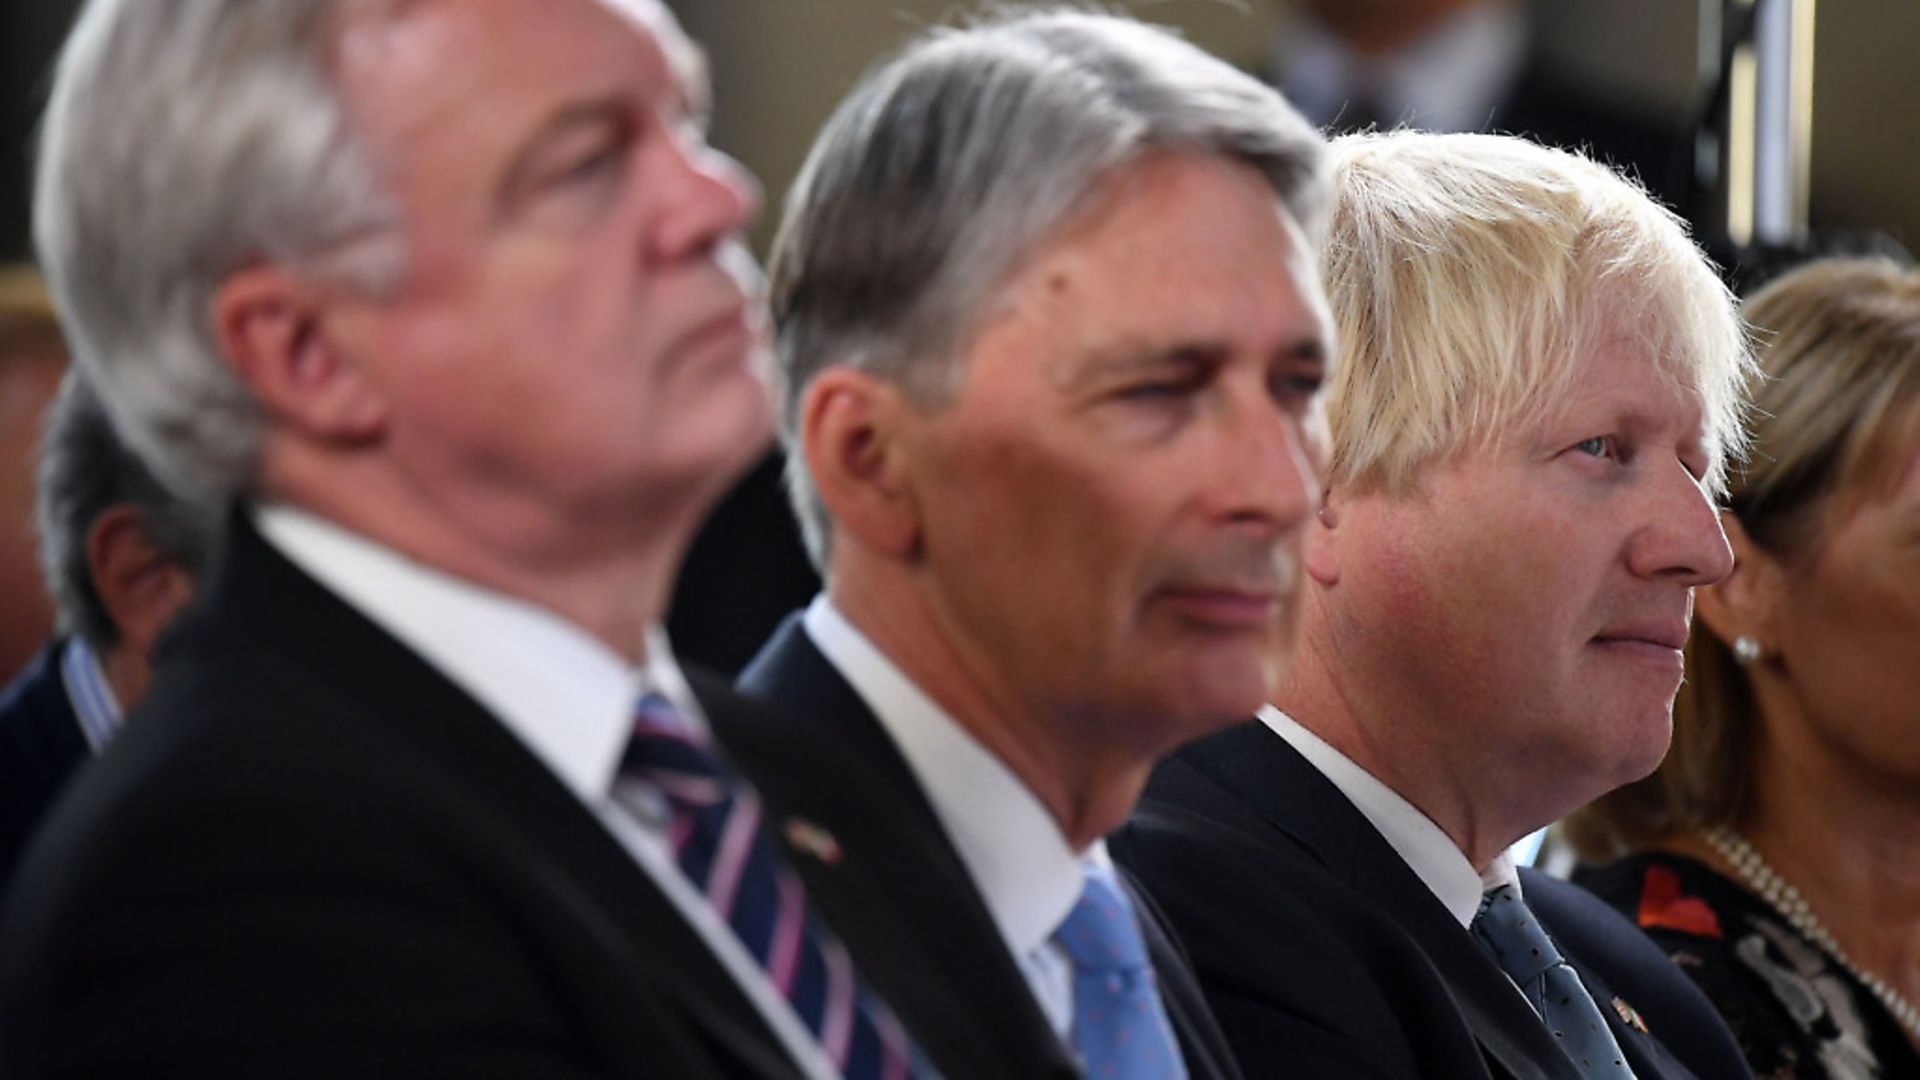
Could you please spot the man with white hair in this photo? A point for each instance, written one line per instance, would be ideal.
(1536, 396)
(1051, 343)
(447, 301)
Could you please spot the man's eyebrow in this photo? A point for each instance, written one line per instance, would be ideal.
(1131, 356)
(609, 109)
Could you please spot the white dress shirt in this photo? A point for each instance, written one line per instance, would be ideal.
(562, 692)
(1423, 845)
(94, 703)
(1011, 846)
(1449, 80)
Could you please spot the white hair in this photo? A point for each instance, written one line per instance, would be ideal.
(184, 140)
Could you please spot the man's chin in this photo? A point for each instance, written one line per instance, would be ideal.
(1220, 691)
(1644, 732)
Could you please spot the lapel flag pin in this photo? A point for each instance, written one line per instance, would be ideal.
(804, 835)
(1629, 1015)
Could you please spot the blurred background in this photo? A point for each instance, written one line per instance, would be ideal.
(1621, 76)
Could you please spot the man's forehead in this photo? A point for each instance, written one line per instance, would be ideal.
(649, 17)
(418, 72)
(687, 60)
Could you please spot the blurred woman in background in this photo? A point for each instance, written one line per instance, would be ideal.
(1776, 853)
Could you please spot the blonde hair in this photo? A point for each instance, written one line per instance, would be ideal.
(1839, 401)
(1469, 273)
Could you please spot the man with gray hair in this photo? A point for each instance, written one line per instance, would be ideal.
(446, 300)
(1051, 343)
(121, 554)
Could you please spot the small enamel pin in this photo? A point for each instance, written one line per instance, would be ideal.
(805, 836)
(1629, 1015)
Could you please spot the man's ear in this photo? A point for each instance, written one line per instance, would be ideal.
(1747, 601)
(1323, 538)
(141, 588)
(271, 327)
(851, 428)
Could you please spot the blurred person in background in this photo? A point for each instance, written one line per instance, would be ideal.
(1456, 65)
(32, 358)
(120, 554)
(1776, 853)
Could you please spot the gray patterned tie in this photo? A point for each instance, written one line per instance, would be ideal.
(1507, 928)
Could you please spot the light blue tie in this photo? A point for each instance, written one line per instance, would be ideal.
(1120, 1029)
(1507, 927)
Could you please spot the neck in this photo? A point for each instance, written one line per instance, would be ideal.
(1360, 712)
(1088, 784)
(126, 671)
(1847, 838)
(609, 572)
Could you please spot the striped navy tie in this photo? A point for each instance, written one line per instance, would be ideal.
(717, 837)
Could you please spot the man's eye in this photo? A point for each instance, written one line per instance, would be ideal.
(1291, 387)
(600, 165)
(1600, 446)
(1160, 390)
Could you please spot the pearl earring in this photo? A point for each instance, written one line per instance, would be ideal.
(1746, 650)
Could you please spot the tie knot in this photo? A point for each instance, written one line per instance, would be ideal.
(656, 714)
(1100, 933)
(1515, 937)
(1507, 927)
(672, 755)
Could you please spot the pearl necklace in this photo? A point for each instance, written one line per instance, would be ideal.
(1785, 899)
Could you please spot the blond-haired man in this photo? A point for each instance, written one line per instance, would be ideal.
(1533, 404)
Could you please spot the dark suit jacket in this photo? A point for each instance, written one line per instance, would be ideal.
(310, 855)
(897, 890)
(1323, 954)
(41, 746)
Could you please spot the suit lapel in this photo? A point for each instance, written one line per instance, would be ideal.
(1645, 1055)
(268, 608)
(1202, 1043)
(1260, 769)
(876, 860)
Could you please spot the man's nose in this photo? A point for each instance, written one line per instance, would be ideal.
(1680, 536)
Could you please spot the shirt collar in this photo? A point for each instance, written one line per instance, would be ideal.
(94, 703)
(560, 690)
(1449, 80)
(1420, 843)
(1009, 843)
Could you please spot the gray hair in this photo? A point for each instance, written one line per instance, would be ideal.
(184, 140)
(85, 470)
(948, 164)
